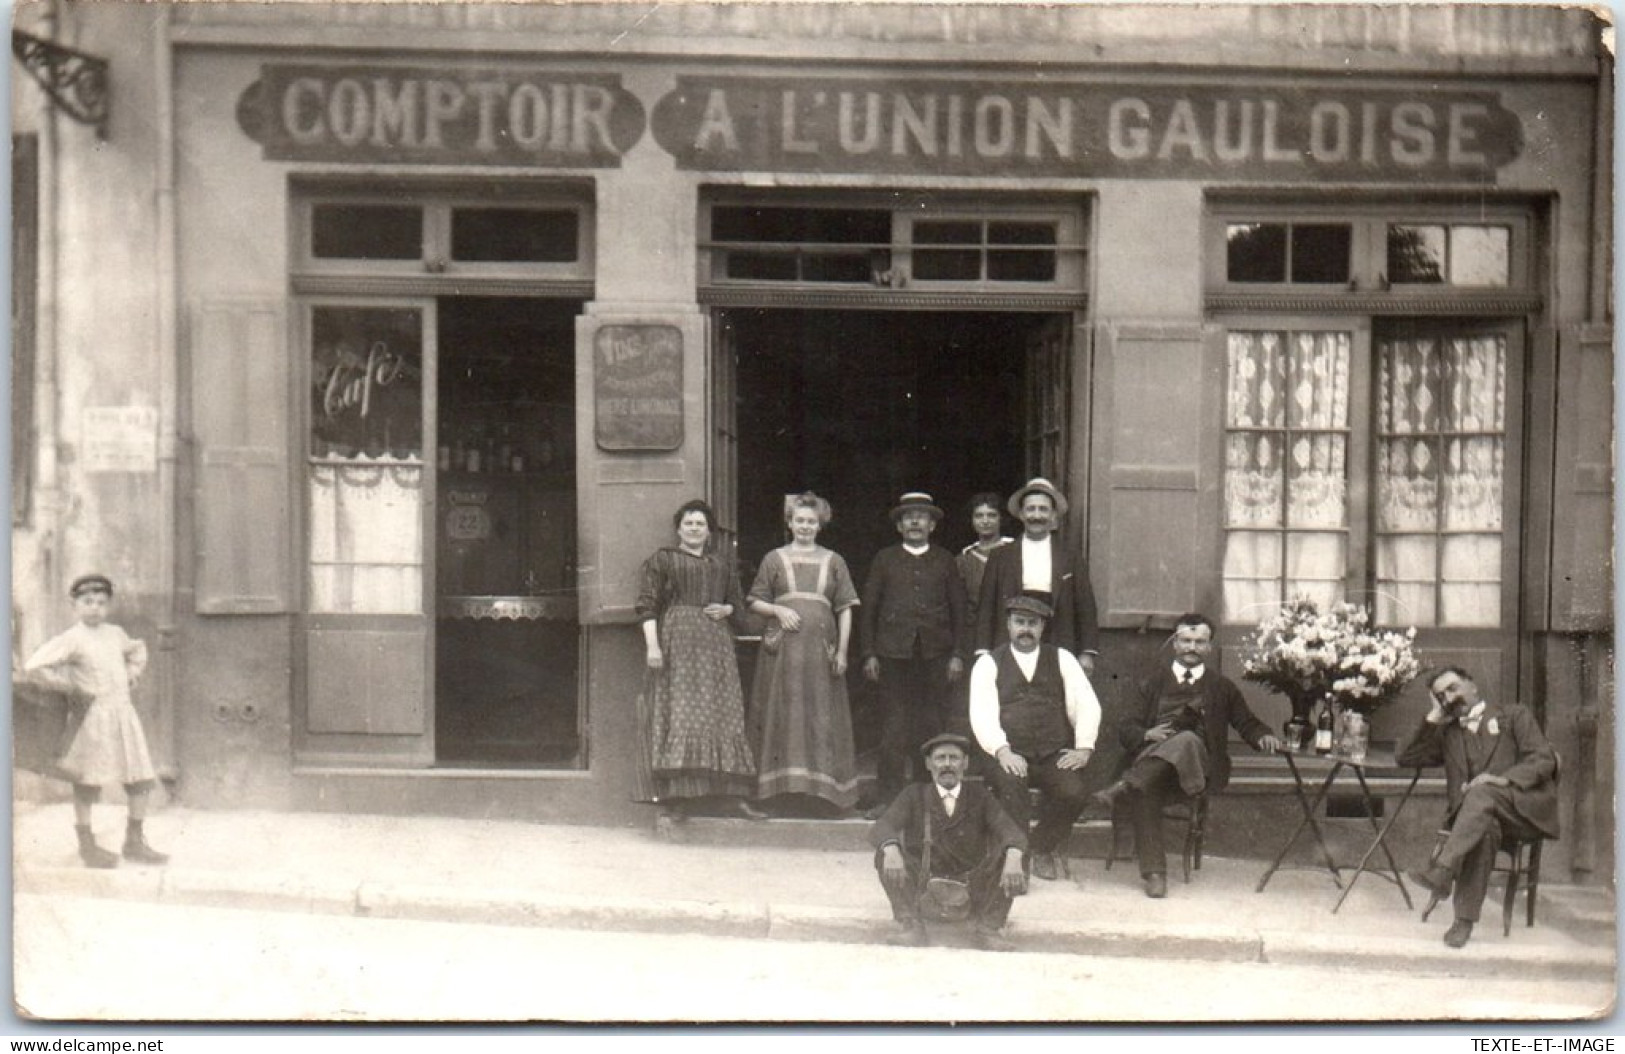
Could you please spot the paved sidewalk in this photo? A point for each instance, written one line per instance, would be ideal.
(628, 879)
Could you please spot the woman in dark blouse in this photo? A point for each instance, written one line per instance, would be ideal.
(691, 713)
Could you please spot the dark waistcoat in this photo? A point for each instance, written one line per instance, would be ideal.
(1033, 713)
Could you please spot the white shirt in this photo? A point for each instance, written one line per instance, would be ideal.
(950, 798)
(1473, 717)
(1194, 673)
(921, 551)
(1082, 707)
(1037, 567)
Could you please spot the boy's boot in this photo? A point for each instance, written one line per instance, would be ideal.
(137, 849)
(92, 854)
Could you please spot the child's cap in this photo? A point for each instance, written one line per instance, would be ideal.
(90, 584)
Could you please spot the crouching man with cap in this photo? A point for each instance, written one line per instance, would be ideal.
(948, 852)
(1036, 716)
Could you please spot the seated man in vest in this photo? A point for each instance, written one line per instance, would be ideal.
(972, 839)
(1035, 715)
(1500, 777)
(1179, 740)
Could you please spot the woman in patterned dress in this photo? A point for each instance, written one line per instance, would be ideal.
(799, 707)
(691, 713)
(98, 661)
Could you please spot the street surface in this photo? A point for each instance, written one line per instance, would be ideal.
(100, 959)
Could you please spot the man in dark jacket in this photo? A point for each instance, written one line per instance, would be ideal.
(1038, 564)
(915, 633)
(1500, 779)
(972, 839)
(1179, 739)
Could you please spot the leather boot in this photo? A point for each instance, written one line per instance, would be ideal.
(137, 849)
(92, 854)
(1108, 798)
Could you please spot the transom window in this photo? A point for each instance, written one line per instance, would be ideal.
(915, 244)
(1364, 250)
(518, 234)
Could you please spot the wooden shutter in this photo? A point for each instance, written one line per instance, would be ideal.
(1582, 496)
(1153, 522)
(239, 412)
(24, 313)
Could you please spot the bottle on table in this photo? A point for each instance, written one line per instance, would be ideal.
(1323, 730)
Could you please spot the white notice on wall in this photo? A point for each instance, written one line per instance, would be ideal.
(121, 439)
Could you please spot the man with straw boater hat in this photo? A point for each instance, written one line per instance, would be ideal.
(1038, 564)
(914, 630)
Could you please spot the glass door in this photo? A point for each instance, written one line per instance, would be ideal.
(365, 632)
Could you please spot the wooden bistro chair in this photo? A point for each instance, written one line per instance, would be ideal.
(1190, 811)
(1518, 859)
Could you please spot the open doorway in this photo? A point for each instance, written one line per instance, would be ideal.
(862, 406)
(506, 626)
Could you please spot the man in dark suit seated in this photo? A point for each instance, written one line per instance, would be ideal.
(1500, 779)
(914, 627)
(1039, 564)
(1179, 739)
(972, 839)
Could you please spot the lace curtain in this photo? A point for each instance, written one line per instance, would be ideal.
(1440, 468)
(1286, 469)
(366, 535)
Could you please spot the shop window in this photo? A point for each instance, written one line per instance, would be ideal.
(1286, 481)
(1440, 478)
(926, 245)
(365, 467)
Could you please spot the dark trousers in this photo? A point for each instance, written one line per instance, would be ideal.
(1155, 784)
(1485, 817)
(989, 904)
(1062, 797)
(915, 704)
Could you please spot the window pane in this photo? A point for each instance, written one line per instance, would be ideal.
(1252, 575)
(1470, 593)
(1021, 266)
(366, 382)
(517, 235)
(947, 232)
(1255, 252)
(1415, 254)
(1406, 568)
(841, 267)
(1315, 566)
(1407, 485)
(750, 223)
(1021, 233)
(1317, 481)
(772, 267)
(1320, 252)
(366, 232)
(1480, 255)
(943, 265)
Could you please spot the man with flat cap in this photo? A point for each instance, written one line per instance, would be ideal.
(1040, 565)
(914, 630)
(970, 838)
(1035, 715)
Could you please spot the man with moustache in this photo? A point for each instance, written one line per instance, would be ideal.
(1035, 716)
(1500, 778)
(1179, 737)
(972, 839)
(915, 633)
(1039, 565)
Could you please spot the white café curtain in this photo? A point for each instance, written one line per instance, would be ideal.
(366, 535)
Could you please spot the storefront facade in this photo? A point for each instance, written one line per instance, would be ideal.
(440, 313)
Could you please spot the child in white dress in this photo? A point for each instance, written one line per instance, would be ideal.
(99, 661)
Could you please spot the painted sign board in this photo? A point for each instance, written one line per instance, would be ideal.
(638, 387)
(513, 115)
(1113, 131)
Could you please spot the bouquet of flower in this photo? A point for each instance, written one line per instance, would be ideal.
(1306, 654)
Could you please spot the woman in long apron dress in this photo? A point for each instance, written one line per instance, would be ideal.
(693, 749)
(799, 705)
